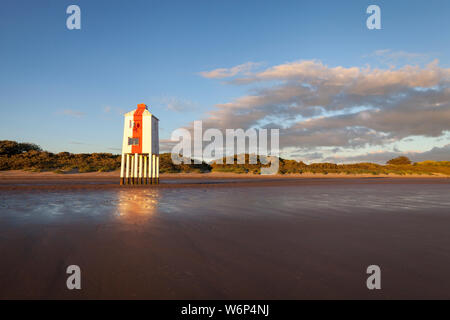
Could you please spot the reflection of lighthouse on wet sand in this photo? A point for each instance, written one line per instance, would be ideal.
(140, 148)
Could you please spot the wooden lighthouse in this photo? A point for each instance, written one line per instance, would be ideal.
(140, 148)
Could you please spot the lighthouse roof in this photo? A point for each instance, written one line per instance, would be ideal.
(141, 109)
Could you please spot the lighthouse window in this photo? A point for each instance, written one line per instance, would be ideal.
(133, 141)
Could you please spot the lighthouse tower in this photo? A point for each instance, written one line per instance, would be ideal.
(140, 148)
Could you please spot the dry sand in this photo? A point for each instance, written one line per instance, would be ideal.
(23, 180)
(19, 174)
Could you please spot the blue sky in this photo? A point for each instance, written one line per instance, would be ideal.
(66, 89)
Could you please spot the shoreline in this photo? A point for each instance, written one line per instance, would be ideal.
(20, 174)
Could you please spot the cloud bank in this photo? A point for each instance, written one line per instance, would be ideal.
(316, 106)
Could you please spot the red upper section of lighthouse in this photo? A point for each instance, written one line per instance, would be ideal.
(137, 128)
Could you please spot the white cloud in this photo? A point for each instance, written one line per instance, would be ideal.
(221, 73)
(392, 58)
(178, 104)
(72, 113)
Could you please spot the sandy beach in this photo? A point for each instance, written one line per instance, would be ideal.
(23, 180)
(223, 237)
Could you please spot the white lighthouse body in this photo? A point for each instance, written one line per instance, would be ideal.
(140, 147)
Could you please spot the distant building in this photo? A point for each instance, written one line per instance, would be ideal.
(140, 148)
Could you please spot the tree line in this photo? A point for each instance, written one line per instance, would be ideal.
(28, 156)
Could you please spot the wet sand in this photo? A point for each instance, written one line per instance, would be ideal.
(225, 238)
